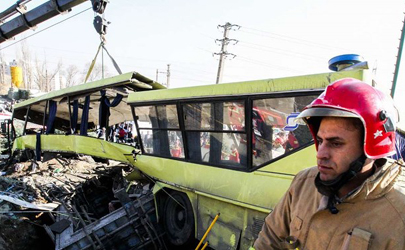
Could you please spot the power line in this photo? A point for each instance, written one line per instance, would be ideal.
(265, 64)
(36, 33)
(191, 73)
(75, 58)
(199, 70)
(190, 79)
(291, 39)
(285, 52)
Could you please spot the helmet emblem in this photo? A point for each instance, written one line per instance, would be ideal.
(378, 133)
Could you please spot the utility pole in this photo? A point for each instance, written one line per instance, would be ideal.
(168, 76)
(167, 73)
(401, 44)
(157, 74)
(223, 53)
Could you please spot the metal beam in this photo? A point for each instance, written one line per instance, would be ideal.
(36, 16)
(18, 7)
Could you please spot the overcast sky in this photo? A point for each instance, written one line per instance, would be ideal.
(276, 38)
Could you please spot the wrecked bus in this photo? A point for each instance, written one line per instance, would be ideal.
(65, 117)
(223, 153)
(222, 150)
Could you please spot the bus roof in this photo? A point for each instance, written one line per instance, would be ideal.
(132, 80)
(123, 84)
(316, 81)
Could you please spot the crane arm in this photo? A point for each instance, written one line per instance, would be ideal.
(31, 18)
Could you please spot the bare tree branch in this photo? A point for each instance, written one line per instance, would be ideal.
(45, 76)
(24, 60)
(71, 75)
(96, 73)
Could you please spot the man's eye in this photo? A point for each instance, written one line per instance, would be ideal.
(336, 144)
(319, 141)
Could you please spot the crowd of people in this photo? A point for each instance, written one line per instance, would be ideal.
(121, 133)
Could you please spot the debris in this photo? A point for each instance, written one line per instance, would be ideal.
(60, 226)
(77, 201)
(5, 208)
(18, 167)
(131, 226)
(47, 206)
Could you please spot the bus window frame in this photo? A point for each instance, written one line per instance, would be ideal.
(223, 99)
(138, 129)
(180, 116)
(293, 94)
(247, 99)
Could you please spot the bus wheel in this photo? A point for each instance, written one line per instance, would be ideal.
(178, 219)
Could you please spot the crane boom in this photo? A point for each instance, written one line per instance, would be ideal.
(18, 7)
(31, 18)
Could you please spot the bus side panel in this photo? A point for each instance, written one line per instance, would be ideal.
(77, 144)
(236, 228)
(262, 188)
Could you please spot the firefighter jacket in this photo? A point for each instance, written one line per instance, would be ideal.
(372, 217)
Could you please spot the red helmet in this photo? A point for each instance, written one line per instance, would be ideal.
(350, 97)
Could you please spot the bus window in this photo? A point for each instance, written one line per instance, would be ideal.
(215, 131)
(159, 130)
(270, 139)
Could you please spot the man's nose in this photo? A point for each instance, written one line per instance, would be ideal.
(323, 151)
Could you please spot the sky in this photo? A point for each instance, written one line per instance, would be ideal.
(275, 38)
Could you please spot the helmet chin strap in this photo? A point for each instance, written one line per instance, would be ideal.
(331, 188)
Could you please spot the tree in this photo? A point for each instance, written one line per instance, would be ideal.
(96, 73)
(4, 81)
(2, 68)
(44, 76)
(71, 75)
(24, 60)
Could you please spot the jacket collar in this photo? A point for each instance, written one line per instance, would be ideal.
(380, 183)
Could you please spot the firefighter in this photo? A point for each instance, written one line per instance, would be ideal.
(355, 197)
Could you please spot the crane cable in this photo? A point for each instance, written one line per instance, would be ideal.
(95, 58)
(102, 45)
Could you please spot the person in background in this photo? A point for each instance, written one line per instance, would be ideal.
(99, 131)
(234, 156)
(121, 134)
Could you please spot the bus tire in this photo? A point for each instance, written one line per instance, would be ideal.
(178, 219)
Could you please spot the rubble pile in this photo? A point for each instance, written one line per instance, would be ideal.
(5, 116)
(4, 145)
(57, 178)
(41, 200)
(4, 142)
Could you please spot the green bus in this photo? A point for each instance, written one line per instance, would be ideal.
(229, 149)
